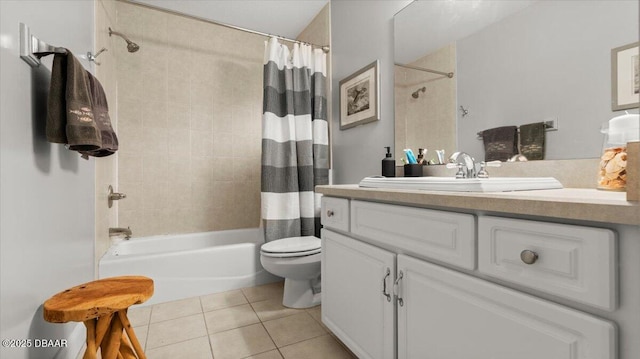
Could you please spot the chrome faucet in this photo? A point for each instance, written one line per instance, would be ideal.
(120, 231)
(465, 163)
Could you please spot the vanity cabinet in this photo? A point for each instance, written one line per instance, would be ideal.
(357, 299)
(401, 282)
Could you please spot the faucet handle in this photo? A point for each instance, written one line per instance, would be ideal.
(483, 168)
(460, 166)
(114, 196)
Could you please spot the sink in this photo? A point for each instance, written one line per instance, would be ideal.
(452, 184)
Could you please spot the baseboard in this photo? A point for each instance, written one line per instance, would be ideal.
(75, 343)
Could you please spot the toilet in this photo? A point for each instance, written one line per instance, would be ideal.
(297, 260)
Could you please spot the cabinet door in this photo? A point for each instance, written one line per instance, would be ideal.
(355, 278)
(450, 315)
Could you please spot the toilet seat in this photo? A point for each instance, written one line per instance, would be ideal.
(292, 247)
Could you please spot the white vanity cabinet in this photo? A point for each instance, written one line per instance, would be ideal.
(357, 299)
(401, 282)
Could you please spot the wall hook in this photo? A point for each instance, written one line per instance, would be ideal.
(464, 111)
(92, 57)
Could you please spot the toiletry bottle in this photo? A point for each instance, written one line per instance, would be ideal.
(421, 160)
(388, 164)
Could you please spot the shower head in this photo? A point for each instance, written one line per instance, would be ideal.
(416, 94)
(131, 46)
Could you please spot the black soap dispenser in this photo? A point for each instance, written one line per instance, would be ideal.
(388, 164)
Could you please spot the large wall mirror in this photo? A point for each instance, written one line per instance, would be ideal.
(512, 63)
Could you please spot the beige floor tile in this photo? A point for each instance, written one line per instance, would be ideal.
(272, 309)
(241, 342)
(176, 330)
(293, 329)
(273, 354)
(264, 292)
(139, 316)
(316, 313)
(230, 318)
(222, 300)
(175, 309)
(323, 347)
(198, 348)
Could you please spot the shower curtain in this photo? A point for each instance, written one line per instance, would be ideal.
(295, 145)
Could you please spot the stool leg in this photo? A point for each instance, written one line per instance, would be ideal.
(102, 327)
(111, 347)
(90, 352)
(125, 349)
(131, 334)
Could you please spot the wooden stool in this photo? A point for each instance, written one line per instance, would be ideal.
(102, 306)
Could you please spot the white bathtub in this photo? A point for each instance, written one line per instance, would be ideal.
(189, 265)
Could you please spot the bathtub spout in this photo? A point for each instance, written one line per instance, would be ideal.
(120, 231)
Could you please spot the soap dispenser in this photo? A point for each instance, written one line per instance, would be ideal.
(388, 164)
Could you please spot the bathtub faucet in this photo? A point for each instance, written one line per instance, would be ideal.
(119, 231)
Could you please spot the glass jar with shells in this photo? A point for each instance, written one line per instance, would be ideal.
(617, 132)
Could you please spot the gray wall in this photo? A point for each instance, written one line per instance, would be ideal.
(47, 207)
(550, 60)
(361, 32)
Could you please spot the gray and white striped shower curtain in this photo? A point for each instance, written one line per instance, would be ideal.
(295, 139)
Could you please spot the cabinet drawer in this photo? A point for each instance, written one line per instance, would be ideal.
(335, 213)
(443, 236)
(572, 262)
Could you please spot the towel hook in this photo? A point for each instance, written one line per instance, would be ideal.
(92, 57)
(464, 111)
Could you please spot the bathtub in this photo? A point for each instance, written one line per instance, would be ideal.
(189, 265)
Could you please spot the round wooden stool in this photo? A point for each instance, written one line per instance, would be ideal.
(102, 306)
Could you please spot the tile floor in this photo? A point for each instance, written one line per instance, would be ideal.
(244, 323)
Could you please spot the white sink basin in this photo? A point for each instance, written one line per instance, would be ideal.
(493, 184)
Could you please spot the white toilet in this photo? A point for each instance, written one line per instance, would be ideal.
(297, 259)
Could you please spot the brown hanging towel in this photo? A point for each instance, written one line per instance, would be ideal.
(77, 111)
(500, 143)
(109, 140)
(532, 140)
(70, 118)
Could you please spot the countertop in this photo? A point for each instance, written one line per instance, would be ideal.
(568, 203)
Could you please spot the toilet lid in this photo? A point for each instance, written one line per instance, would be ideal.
(293, 245)
(290, 255)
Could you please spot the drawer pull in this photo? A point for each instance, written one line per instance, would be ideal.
(329, 213)
(528, 256)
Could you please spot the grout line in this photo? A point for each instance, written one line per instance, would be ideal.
(146, 337)
(269, 334)
(206, 327)
(324, 332)
(182, 341)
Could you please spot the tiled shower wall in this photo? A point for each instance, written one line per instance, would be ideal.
(189, 122)
(430, 120)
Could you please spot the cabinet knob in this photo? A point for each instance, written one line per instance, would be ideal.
(528, 256)
(329, 213)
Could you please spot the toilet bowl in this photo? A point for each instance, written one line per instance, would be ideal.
(297, 260)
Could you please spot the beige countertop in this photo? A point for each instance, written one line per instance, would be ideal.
(569, 203)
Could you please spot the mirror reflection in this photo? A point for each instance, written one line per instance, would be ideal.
(514, 63)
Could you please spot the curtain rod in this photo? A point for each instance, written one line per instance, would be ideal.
(324, 48)
(448, 74)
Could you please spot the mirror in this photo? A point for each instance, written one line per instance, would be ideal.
(514, 62)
